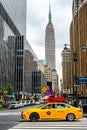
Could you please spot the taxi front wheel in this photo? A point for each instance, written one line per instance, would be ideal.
(34, 117)
(70, 117)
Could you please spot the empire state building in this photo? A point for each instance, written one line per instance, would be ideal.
(50, 41)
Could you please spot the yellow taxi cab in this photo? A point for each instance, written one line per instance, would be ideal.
(52, 111)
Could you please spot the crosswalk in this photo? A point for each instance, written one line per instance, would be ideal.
(55, 125)
(52, 128)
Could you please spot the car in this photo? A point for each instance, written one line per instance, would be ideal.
(20, 104)
(14, 105)
(32, 102)
(24, 103)
(37, 102)
(58, 111)
(28, 102)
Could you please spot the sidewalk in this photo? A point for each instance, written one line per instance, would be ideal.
(84, 115)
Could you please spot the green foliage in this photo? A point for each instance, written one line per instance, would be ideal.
(9, 89)
(1, 90)
(1, 106)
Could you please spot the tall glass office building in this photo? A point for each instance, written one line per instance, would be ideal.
(14, 47)
(17, 12)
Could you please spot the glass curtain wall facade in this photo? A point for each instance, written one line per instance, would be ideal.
(13, 45)
(7, 48)
(38, 81)
(17, 12)
(19, 66)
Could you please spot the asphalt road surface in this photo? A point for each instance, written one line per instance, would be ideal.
(9, 119)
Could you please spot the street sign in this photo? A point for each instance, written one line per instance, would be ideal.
(5, 91)
(82, 80)
(44, 89)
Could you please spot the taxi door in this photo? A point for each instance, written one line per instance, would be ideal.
(61, 113)
(49, 113)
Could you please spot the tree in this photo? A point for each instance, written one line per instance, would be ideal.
(9, 88)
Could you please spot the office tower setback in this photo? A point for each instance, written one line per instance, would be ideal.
(50, 42)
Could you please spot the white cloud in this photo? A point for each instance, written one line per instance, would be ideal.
(37, 19)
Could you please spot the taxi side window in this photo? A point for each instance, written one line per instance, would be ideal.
(47, 107)
(61, 106)
(53, 105)
(44, 107)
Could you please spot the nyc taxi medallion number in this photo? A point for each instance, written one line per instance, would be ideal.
(48, 113)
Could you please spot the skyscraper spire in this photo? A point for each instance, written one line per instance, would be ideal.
(49, 13)
(50, 42)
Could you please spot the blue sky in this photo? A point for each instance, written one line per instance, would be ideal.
(37, 19)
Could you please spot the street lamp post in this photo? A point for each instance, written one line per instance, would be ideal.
(75, 77)
(75, 59)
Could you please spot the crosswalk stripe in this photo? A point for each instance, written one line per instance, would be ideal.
(52, 127)
(47, 128)
(3, 114)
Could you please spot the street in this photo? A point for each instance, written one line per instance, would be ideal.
(11, 120)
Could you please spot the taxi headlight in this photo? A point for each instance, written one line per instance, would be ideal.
(24, 112)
